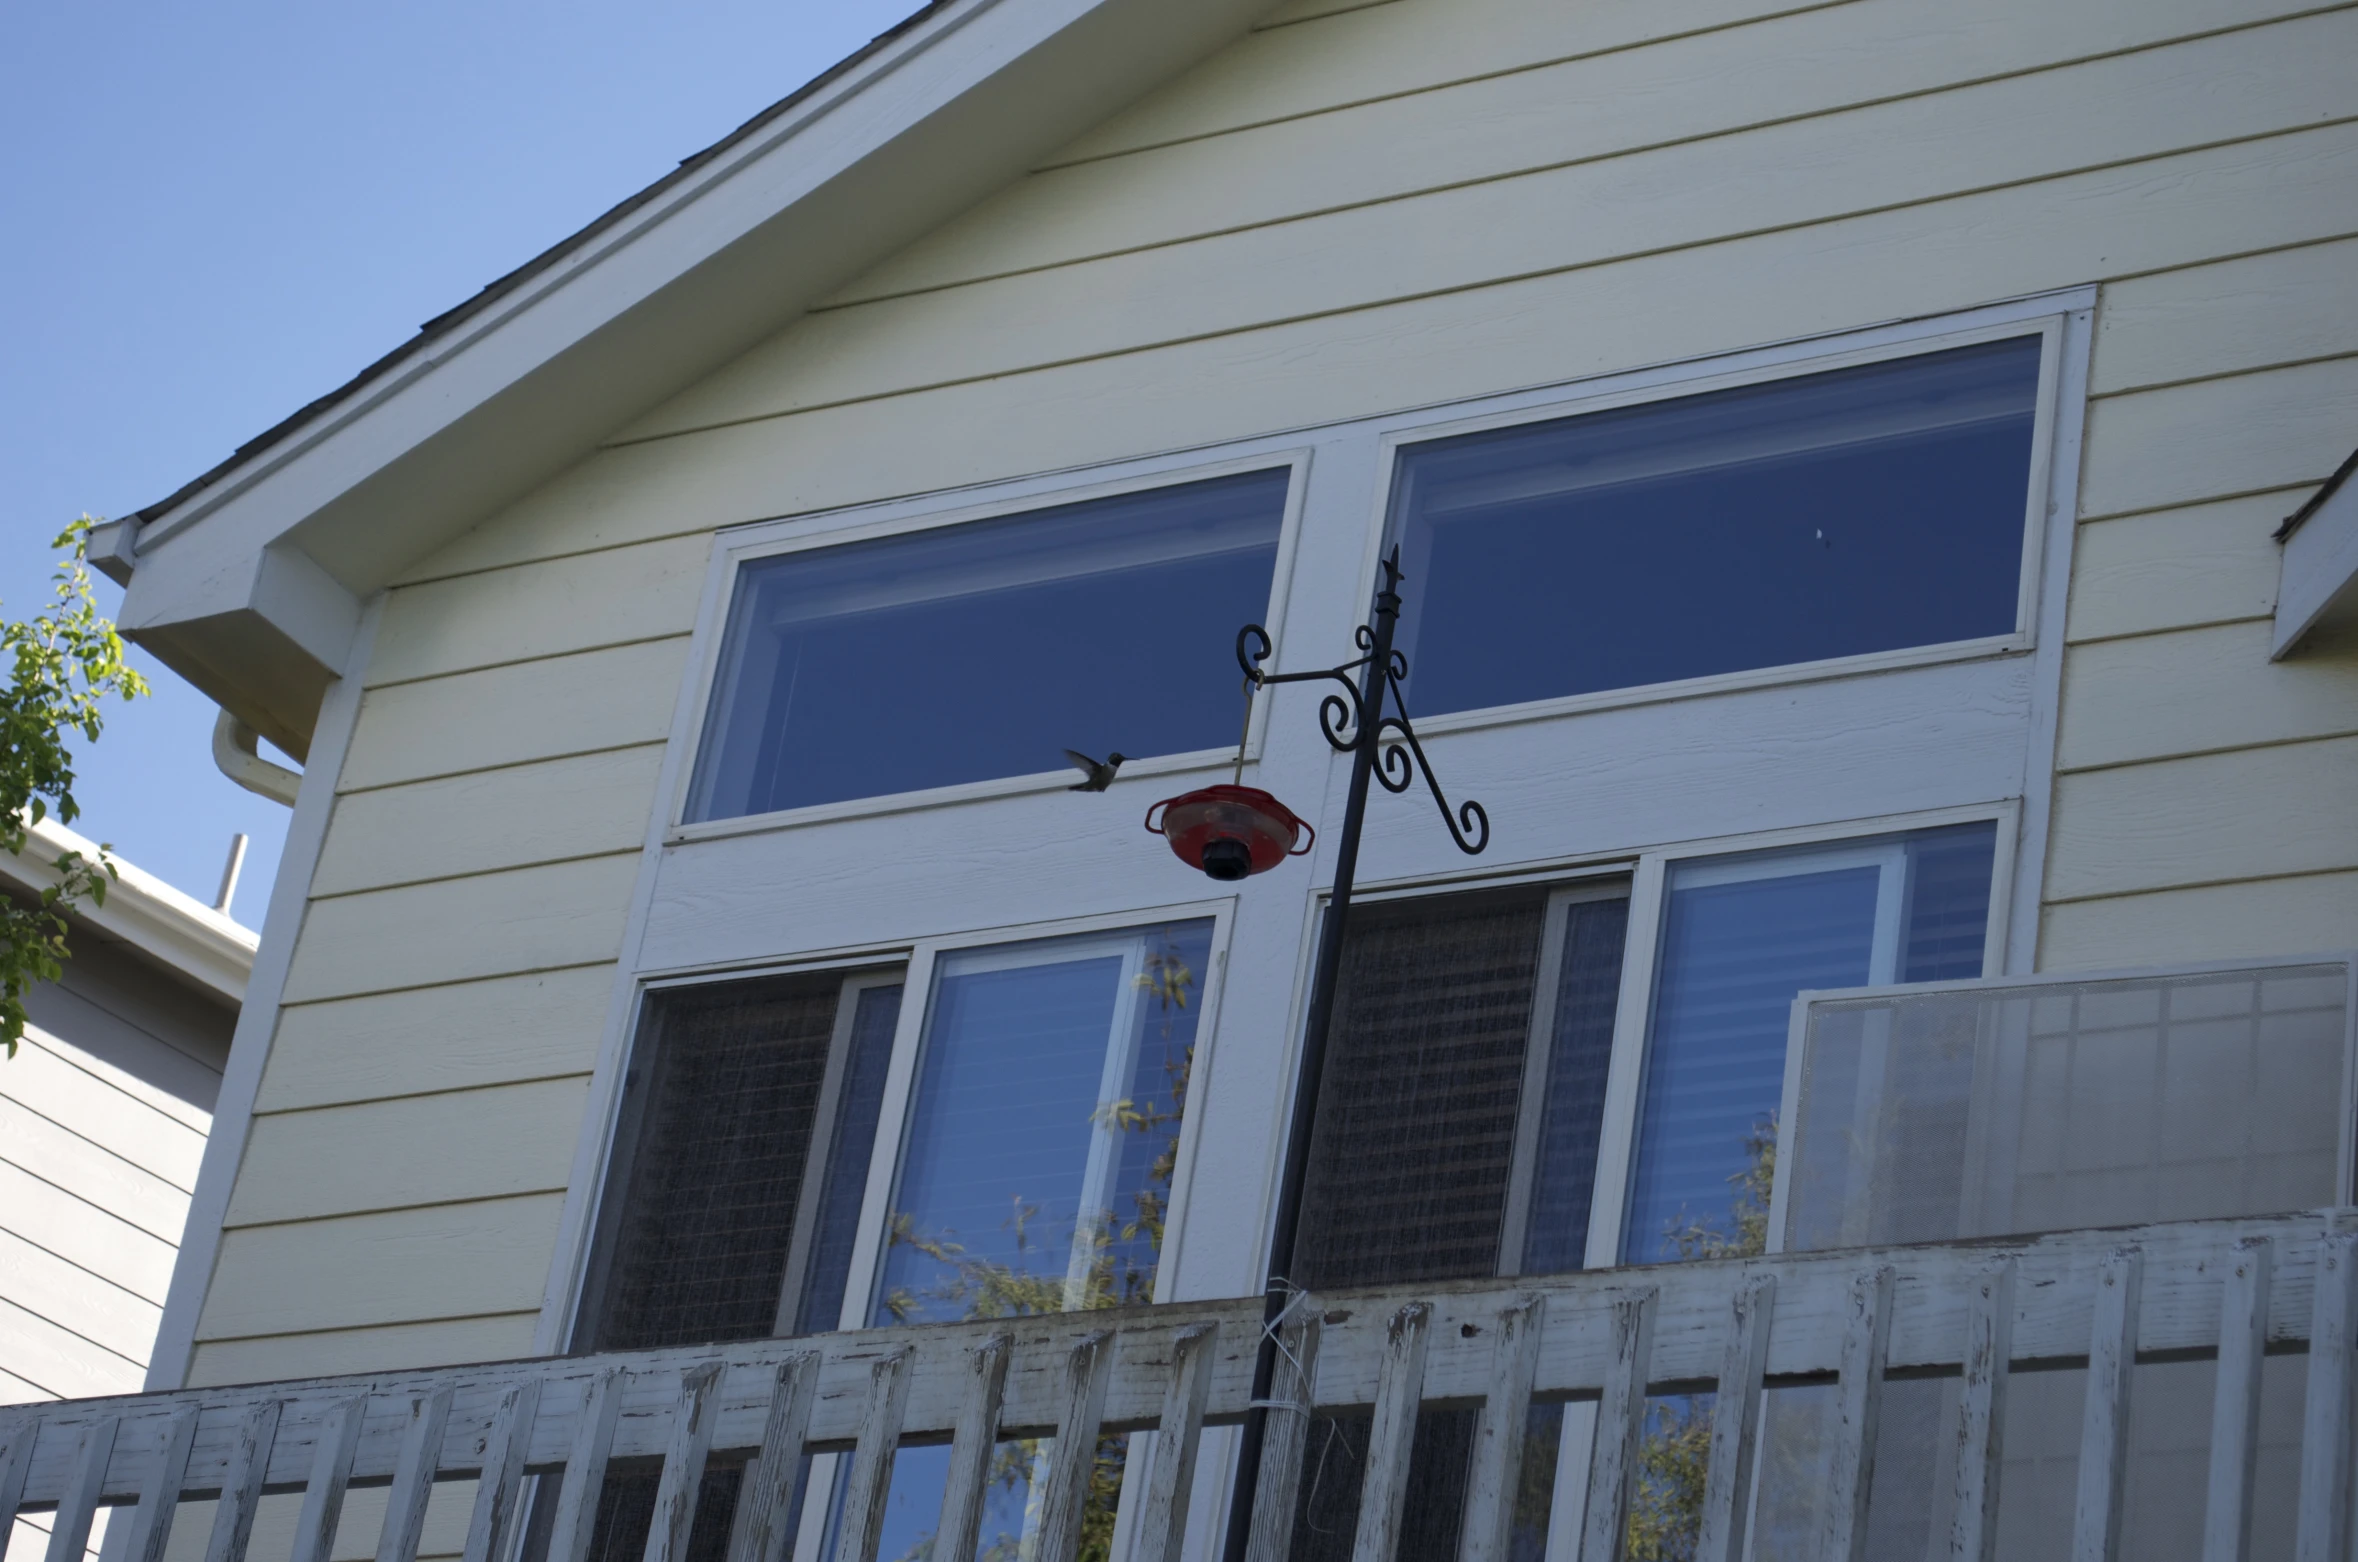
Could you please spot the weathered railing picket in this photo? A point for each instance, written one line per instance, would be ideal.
(2230, 1289)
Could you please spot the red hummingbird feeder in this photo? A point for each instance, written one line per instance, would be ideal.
(1230, 832)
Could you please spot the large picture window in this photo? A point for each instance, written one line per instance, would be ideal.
(1826, 515)
(1107, 626)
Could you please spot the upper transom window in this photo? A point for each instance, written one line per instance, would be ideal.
(1835, 514)
(983, 650)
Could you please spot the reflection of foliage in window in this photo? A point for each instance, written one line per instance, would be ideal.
(1666, 1510)
(1123, 1254)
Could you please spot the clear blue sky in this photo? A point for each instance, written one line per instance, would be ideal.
(213, 213)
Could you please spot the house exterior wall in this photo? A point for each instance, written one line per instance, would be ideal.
(103, 1115)
(1358, 209)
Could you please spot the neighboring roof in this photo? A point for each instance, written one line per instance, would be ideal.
(442, 324)
(249, 580)
(205, 948)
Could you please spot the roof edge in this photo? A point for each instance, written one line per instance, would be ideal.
(206, 949)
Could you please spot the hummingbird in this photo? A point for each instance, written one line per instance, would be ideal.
(1100, 775)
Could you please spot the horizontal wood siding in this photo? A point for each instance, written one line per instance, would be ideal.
(499, 1337)
(416, 1150)
(427, 1040)
(2185, 568)
(564, 914)
(1278, 240)
(513, 817)
(447, 1261)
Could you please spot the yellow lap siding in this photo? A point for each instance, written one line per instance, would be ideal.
(392, 1348)
(2259, 919)
(516, 714)
(574, 604)
(512, 817)
(524, 919)
(2178, 569)
(430, 1039)
(2285, 306)
(416, 1150)
(450, 1261)
(2218, 438)
(1879, 158)
(1712, 85)
(2289, 808)
(2197, 691)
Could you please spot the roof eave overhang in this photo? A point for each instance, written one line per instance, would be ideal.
(249, 583)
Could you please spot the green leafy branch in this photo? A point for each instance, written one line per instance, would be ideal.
(64, 662)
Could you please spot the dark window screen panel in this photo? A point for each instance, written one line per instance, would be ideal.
(849, 1149)
(846, 671)
(1825, 515)
(721, 1110)
(1564, 1170)
(1416, 1114)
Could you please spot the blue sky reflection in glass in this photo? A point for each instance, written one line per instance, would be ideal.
(1824, 515)
(1037, 1169)
(983, 650)
(1044, 1126)
(1740, 937)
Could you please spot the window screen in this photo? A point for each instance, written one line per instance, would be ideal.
(1414, 1145)
(721, 1114)
(1107, 626)
(1825, 515)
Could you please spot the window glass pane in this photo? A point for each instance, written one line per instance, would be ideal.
(1826, 515)
(720, 1104)
(1564, 1171)
(1424, 1071)
(877, 1011)
(1738, 941)
(1044, 1129)
(985, 650)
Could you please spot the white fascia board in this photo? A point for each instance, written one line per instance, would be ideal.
(204, 947)
(2318, 586)
(905, 139)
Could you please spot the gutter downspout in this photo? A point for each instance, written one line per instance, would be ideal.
(237, 750)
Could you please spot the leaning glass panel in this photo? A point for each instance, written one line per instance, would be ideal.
(985, 650)
(2047, 1104)
(1826, 515)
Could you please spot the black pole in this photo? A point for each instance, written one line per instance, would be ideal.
(1311, 1070)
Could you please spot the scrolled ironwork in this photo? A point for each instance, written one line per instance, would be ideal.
(1342, 718)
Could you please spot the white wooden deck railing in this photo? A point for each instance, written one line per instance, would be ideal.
(2234, 1288)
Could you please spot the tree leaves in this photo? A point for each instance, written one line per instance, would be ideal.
(63, 664)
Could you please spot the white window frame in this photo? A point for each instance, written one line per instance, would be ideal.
(893, 1118)
(1354, 475)
(1884, 346)
(737, 547)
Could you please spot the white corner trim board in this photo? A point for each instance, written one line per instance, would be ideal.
(257, 1024)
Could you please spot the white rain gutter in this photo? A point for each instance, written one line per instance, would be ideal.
(237, 750)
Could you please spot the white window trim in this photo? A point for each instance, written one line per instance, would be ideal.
(736, 547)
(893, 1118)
(1761, 855)
(2023, 830)
(1883, 345)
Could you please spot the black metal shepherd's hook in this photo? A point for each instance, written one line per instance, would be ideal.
(1383, 746)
